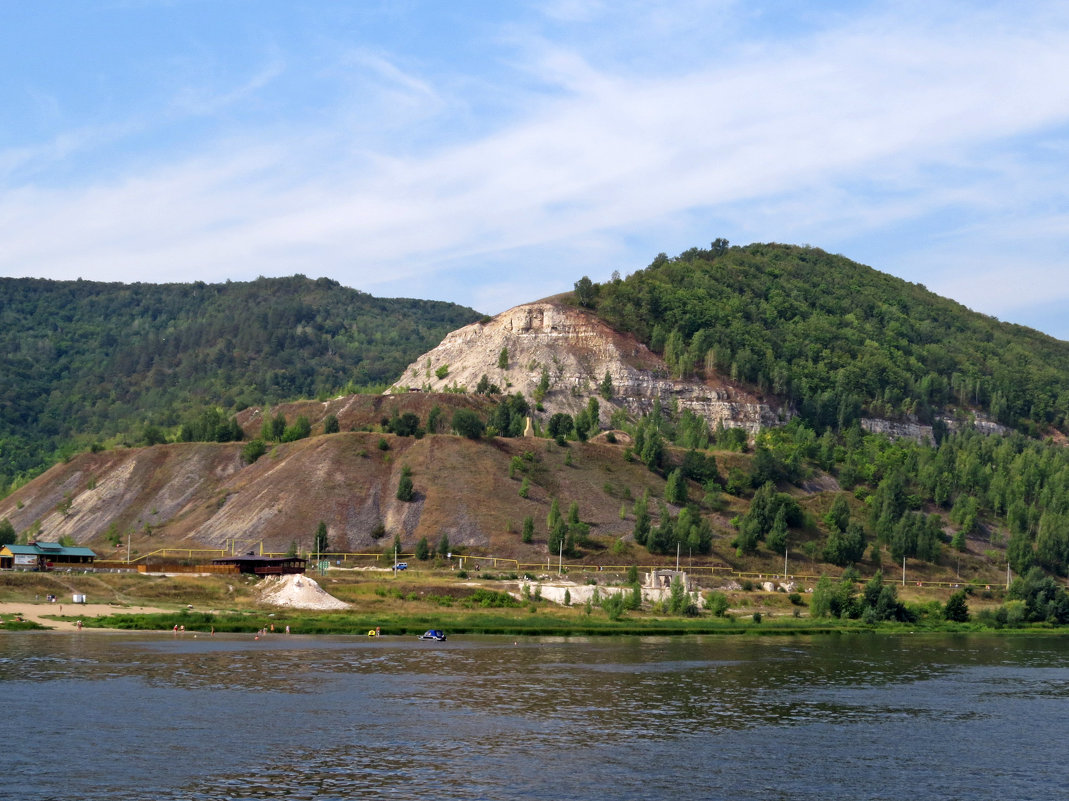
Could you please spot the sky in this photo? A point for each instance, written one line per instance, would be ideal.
(492, 153)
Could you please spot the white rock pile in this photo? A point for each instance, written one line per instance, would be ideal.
(297, 592)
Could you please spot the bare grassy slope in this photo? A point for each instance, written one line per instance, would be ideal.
(199, 494)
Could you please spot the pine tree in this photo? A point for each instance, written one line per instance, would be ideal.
(956, 608)
(777, 537)
(405, 491)
(528, 529)
(554, 515)
(423, 549)
(642, 521)
(605, 388)
(321, 545)
(675, 490)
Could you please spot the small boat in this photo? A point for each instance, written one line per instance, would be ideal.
(433, 634)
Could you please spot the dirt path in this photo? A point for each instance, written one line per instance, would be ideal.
(36, 612)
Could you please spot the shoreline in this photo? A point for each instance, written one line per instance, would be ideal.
(41, 612)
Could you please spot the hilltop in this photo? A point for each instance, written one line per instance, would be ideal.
(836, 340)
(560, 356)
(84, 361)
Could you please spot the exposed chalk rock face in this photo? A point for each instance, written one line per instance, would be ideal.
(576, 349)
(918, 432)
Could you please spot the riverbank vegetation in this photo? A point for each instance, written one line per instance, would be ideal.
(413, 604)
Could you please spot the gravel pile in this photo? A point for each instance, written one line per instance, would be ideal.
(297, 592)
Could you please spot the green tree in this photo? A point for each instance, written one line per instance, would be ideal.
(777, 537)
(678, 599)
(330, 424)
(605, 388)
(956, 608)
(560, 425)
(585, 292)
(845, 547)
(503, 359)
(467, 424)
(525, 487)
(839, 515)
(253, 450)
(443, 546)
(300, 429)
(675, 489)
(558, 534)
(320, 544)
(542, 387)
(553, 517)
(278, 426)
(405, 490)
(642, 520)
(528, 529)
(423, 549)
(7, 532)
(433, 418)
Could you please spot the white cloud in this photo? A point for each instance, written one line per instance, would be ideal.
(868, 127)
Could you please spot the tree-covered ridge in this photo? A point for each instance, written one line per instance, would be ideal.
(83, 357)
(834, 338)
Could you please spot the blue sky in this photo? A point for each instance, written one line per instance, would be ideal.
(492, 153)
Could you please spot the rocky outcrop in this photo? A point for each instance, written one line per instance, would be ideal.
(577, 350)
(918, 432)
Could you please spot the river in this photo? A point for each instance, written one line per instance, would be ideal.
(145, 716)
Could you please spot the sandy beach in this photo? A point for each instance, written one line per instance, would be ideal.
(37, 612)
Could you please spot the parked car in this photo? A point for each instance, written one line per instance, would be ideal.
(401, 566)
(433, 634)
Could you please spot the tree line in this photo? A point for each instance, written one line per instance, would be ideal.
(82, 361)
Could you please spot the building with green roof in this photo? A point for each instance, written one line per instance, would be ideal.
(44, 556)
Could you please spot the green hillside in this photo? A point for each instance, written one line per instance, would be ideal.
(835, 338)
(83, 360)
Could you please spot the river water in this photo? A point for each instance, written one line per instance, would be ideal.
(144, 716)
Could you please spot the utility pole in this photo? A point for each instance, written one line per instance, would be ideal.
(128, 537)
(903, 570)
(560, 558)
(677, 556)
(785, 562)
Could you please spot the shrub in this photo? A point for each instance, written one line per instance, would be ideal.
(467, 424)
(717, 603)
(253, 450)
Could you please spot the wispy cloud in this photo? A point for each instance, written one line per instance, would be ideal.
(848, 135)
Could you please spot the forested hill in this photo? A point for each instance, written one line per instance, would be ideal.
(89, 358)
(835, 338)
